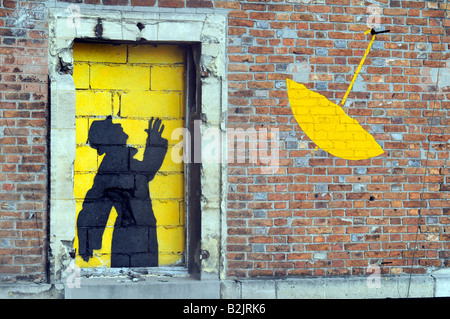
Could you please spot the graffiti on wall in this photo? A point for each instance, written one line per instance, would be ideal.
(129, 192)
(122, 182)
(327, 124)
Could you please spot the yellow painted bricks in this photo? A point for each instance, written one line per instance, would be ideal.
(327, 125)
(132, 83)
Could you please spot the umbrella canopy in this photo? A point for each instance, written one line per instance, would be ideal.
(328, 126)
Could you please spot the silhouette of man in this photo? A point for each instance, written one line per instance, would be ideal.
(122, 182)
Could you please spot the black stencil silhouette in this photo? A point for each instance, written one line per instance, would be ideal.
(122, 182)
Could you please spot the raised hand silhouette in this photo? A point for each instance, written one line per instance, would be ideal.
(122, 182)
(154, 131)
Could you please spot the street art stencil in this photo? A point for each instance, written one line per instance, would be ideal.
(122, 182)
(129, 192)
(326, 123)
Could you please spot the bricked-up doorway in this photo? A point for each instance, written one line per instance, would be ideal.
(192, 229)
(135, 84)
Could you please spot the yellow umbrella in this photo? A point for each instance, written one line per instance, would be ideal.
(327, 125)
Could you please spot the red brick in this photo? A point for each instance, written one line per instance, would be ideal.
(115, 2)
(342, 18)
(319, 8)
(143, 3)
(226, 4)
(199, 4)
(171, 3)
(254, 6)
(261, 50)
(322, 26)
(262, 15)
(240, 22)
(236, 31)
(262, 33)
(413, 4)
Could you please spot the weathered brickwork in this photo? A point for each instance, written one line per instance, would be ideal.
(321, 215)
(317, 215)
(23, 141)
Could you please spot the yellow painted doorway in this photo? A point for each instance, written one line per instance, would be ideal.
(132, 84)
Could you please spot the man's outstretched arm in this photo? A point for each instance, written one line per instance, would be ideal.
(155, 150)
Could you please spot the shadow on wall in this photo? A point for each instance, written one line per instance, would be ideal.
(122, 182)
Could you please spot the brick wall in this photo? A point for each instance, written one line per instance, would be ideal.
(318, 214)
(23, 136)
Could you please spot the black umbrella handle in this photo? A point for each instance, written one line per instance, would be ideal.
(378, 32)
